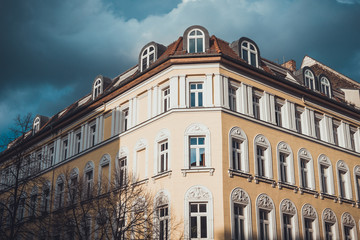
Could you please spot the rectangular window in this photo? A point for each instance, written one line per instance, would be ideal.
(33, 201)
(278, 105)
(92, 135)
(125, 113)
(65, 149)
(264, 224)
(283, 167)
(163, 215)
(347, 233)
(335, 132)
(324, 178)
(51, 155)
(73, 189)
(329, 235)
(198, 220)
(317, 126)
(197, 151)
(89, 178)
(196, 94)
(298, 112)
(287, 226)
(357, 179)
(60, 194)
(236, 154)
(45, 200)
(144, 63)
(239, 221)
(304, 173)
(166, 99)
(164, 157)
(21, 209)
(77, 142)
(261, 161)
(342, 183)
(122, 172)
(352, 137)
(256, 106)
(309, 231)
(232, 98)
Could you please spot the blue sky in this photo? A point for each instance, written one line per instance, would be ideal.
(51, 51)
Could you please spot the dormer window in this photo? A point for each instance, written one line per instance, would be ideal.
(325, 86)
(97, 88)
(36, 125)
(147, 57)
(309, 79)
(196, 41)
(249, 53)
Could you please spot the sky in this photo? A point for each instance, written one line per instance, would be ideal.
(51, 51)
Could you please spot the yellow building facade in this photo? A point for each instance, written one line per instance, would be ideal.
(240, 147)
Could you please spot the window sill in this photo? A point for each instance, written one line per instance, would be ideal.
(328, 196)
(197, 170)
(309, 191)
(265, 180)
(162, 175)
(345, 200)
(287, 185)
(234, 172)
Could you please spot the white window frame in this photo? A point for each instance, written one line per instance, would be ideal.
(196, 94)
(165, 99)
(342, 166)
(324, 161)
(238, 134)
(196, 37)
(329, 217)
(264, 202)
(45, 199)
(93, 131)
(97, 88)
(258, 95)
(125, 116)
(32, 204)
(141, 145)
(325, 86)
(89, 167)
(240, 197)
(162, 136)
(36, 125)
(65, 148)
(122, 156)
(288, 207)
(299, 121)
(50, 160)
(305, 154)
(147, 55)
(73, 187)
(234, 98)
(284, 148)
(357, 182)
(280, 113)
(162, 200)
(199, 194)
(347, 220)
(309, 212)
(249, 51)
(262, 142)
(59, 195)
(309, 79)
(104, 161)
(77, 141)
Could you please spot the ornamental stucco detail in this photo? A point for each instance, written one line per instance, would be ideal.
(288, 207)
(348, 220)
(161, 199)
(329, 216)
(342, 165)
(239, 196)
(198, 193)
(308, 211)
(264, 201)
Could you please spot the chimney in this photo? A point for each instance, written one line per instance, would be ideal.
(291, 65)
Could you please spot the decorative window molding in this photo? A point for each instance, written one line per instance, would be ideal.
(285, 161)
(344, 182)
(306, 169)
(326, 177)
(149, 54)
(330, 226)
(199, 194)
(73, 183)
(248, 50)
(240, 207)
(348, 224)
(310, 220)
(59, 192)
(263, 159)
(309, 79)
(121, 166)
(162, 218)
(88, 179)
(141, 145)
(357, 182)
(238, 150)
(162, 161)
(265, 216)
(289, 220)
(196, 39)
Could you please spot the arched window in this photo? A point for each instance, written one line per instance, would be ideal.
(309, 79)
(97, 90)
(36, 125)
(344, 184)
(45, 201)
(33, 202)
(88, 180)
(141, 162)
(357, 182)
(348, 227)
(73, 185)
(238, 150)
(162, 152)
(59, 192)
(196, 41)
(306, 169)
(147, 57)
(265, 217)
(162, 215)
(198, 216)
(249, 53)
(326, 178)
(262, 153)
(310, 222)
(104, 173)
(121, 166)
(240, 215)
(325, 86)
(330, 226)
(285, 163)
(289, 220)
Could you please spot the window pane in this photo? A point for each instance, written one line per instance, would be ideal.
(200, 99)
(193, 227)
(253, 59)
(202, 208)
(245, 55)
(201, 141)
(193, 157)
(199, 45)
(193, 141)
(202, 156)
(193, 207)
(191, 45)
(203, 227)
(192, 99)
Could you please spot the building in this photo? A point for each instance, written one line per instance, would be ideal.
(237, 146)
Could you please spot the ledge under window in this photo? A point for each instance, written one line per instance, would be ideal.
(309, 191)
(345, 200)
(328, 196)
(162, 174)
(287, 185)
(265, 180)
(197, 170)
(234, 172)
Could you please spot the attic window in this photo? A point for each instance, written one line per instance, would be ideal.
(309, 79)
(147, 57)
(97, 88)
(325, 86)
(36, 125)
(249, 53)
(196, 41)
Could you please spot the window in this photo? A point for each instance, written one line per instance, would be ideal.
(65, 149)
(73, 185)
(164, 156)
(33, 202)
(236, 154)
(165, 99)
(45, 206)
(266, 223)
(256, 106)
(283, 167)
(278, 117)
(304, 173)
(352, 138)
(21, 208)
(88, 179)
(59, 198)
(298, 112)
(329, 235)
(122, 171)
(196, 94)
(309, 79)
(349, 226)
(289, 220)
(97, 88)
(240, 214)
(260, 157)
(306, 169)
(324, 178)
(238, 150)
(331, 231)
(326, 175)
(263, 165)
(249, 53)
(104, 175)
(342, 183)
(197, 151)
(147, 57)
(357, 181)
(163, 216)
(77, 142)
(285, 163)
(51, 155)
(317, 120)
(36, 125)
(344, 180)
(125, 121)
(336, 125)
(196, 42)
(325, 86)
(199, 215)
(287, 226)
(232, 98)
(310, 222)
(92, 135)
